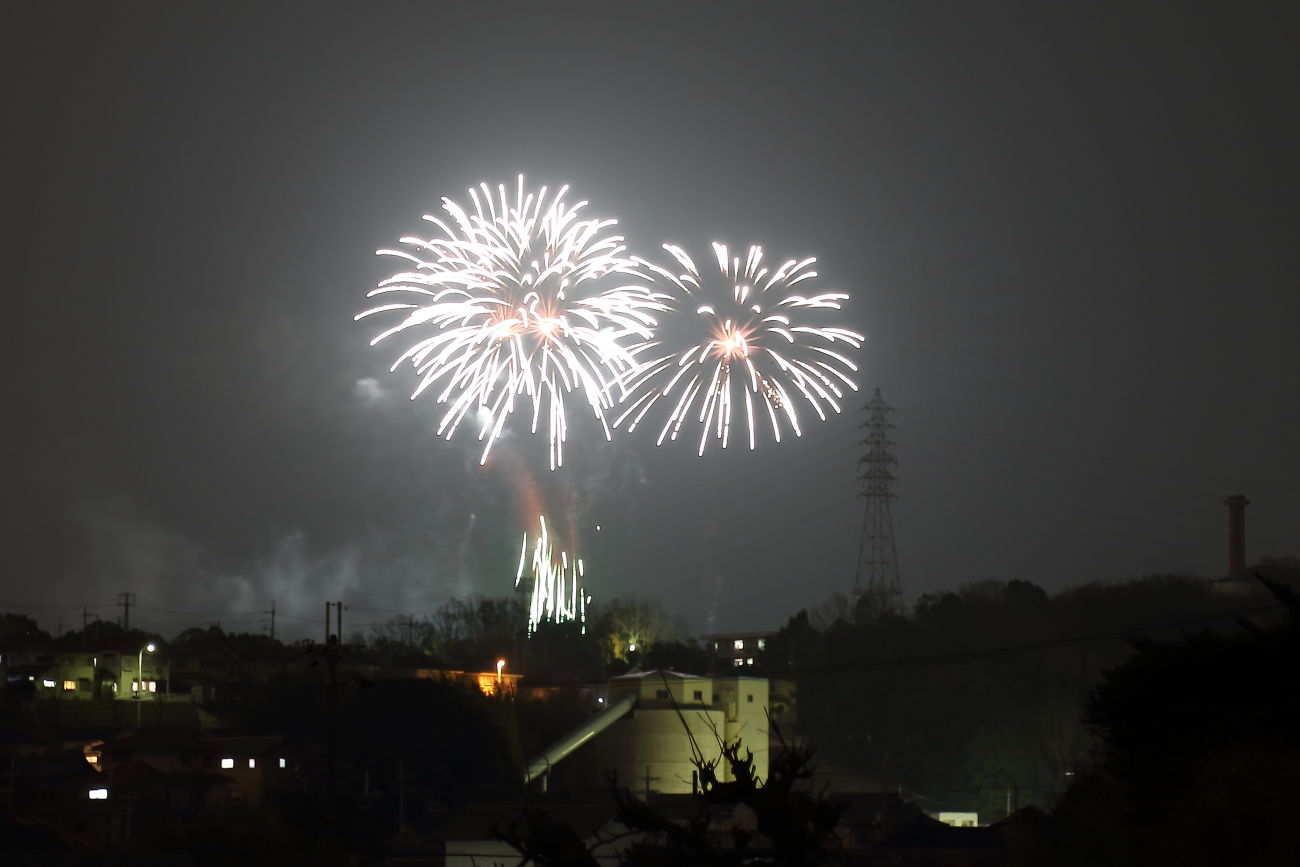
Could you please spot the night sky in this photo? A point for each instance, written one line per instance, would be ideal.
(1070, 233)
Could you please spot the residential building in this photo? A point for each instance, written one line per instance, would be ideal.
(736, 649)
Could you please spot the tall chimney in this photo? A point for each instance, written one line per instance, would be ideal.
(1236, 533)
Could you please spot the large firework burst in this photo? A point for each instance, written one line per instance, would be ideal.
(754, 346)
(518, 297)
(557, 594)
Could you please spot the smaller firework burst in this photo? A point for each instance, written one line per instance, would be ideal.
(557, 595)
(744, 344)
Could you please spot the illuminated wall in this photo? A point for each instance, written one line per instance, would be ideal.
(650, 749)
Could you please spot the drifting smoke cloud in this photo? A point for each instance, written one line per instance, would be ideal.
(177, 582)
(367, 391)
(441, 527)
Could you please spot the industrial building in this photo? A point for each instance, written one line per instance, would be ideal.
(642, 734)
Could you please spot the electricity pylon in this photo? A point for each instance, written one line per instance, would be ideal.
(877, 578)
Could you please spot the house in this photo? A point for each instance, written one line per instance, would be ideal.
(115, 667)
(499, 682)
(40, 668)
(186, 772)
(736, 649)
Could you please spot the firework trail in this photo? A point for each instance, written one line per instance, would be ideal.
(557, 592)
(518, 297)
(754, 349)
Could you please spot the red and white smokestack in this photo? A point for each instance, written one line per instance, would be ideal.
(1236, 533)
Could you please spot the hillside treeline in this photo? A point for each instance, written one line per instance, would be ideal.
(975, 701)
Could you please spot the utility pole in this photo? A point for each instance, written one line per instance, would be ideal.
(877, 576)
(331, 721)
(401, 801)
(272, 613)
(126, 600)
(1236, 533)
(337, 608)
(648, 779)
(333, 647)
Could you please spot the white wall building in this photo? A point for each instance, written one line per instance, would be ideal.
(649, 748)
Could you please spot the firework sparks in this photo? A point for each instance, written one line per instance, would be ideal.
(755, 350)
(557, 594)
(518, 297)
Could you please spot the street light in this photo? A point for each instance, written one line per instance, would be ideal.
(501, 663)
(139, 678)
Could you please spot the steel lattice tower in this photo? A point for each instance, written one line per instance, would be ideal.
(877, 577)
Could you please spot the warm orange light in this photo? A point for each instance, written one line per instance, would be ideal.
(731, 341)
(501, 664)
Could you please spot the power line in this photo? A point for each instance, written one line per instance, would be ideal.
(55, 607)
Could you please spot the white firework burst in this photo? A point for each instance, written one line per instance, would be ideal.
(754, 349)
(518, 297)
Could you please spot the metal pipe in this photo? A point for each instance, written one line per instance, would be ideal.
(542, 762)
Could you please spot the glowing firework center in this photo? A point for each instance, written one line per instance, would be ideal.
(557, 595)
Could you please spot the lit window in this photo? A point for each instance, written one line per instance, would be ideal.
(227, 763)
(69, 685)
(135, 686)
(762, 643)
(738, 662)
(749, 661)
(94, 760)
(151, 685)
(252, 763)
(98, 794)
(283, 763)
(739, 644)
(48, 683)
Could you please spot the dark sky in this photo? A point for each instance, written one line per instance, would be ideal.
(1070, 233)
